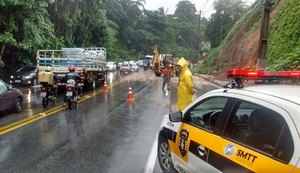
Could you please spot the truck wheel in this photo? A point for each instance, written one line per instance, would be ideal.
(86, 85)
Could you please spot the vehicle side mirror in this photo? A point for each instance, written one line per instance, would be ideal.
(176, 116)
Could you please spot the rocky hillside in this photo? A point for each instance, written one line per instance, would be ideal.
(240, 48)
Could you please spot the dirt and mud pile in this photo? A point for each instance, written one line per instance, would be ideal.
(241, 50)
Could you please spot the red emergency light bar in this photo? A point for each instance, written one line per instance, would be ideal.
(254, 74)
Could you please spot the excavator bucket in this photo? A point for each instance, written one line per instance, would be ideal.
(156, 61)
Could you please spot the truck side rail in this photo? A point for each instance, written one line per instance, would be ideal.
(88, 59)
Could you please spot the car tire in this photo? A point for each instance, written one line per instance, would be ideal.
(164, 156)
(18, 105)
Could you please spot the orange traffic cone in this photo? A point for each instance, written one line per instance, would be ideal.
(130, 95)
(105, 88)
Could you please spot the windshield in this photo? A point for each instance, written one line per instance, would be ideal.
(26, 69)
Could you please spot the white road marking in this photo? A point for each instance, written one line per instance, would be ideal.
(152, 157)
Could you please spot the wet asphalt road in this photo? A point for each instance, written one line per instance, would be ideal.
(106, 133)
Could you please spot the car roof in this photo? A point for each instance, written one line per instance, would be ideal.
(287, 92)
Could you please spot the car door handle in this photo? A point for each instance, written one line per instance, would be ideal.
(201, 150)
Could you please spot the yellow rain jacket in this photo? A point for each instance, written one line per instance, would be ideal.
(185, 90)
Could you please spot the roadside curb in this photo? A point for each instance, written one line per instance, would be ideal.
(213, 79)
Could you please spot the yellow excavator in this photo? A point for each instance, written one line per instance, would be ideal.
(160, 61)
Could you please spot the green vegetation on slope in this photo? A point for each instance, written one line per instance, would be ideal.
(284, 38)
(248, 17)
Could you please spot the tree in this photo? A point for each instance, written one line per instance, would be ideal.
(65, 14)
(25, 26)
(227, 13)
(185, 9)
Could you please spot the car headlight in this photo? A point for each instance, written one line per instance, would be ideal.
(11, 76)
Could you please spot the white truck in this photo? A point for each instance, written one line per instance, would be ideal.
(90, 64)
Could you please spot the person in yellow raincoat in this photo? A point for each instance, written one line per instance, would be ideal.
(185, 89)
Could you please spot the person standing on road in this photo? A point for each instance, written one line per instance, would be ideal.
(166, 77)
(185, 89)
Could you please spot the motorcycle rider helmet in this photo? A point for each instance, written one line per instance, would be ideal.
(71, 68)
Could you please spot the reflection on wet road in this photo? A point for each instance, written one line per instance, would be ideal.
(106, 133)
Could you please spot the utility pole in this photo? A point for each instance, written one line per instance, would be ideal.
(263, 40)
(197, 39)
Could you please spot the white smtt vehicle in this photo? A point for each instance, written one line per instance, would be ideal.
(236, 129)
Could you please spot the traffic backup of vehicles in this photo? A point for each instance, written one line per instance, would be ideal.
(90, 64)
(236, 129)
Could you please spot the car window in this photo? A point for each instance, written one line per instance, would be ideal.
(262, 129)
(206, 113)
(3, 87)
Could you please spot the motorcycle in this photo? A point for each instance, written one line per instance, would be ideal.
(71, 97)
(47, 95)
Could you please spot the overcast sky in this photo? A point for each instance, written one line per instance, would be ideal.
(170, 5)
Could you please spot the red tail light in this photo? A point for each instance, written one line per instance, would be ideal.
(44, 89)
(81, 74)
(69, 89)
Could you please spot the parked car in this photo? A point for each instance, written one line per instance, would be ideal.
(25, 75)
(111, 66)
(125, 68)
(134, 67)
(119, 65)
(10, 98)
(141, 63)
(132, 62)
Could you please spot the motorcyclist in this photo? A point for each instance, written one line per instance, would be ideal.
(75, 76)
(47, 78)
